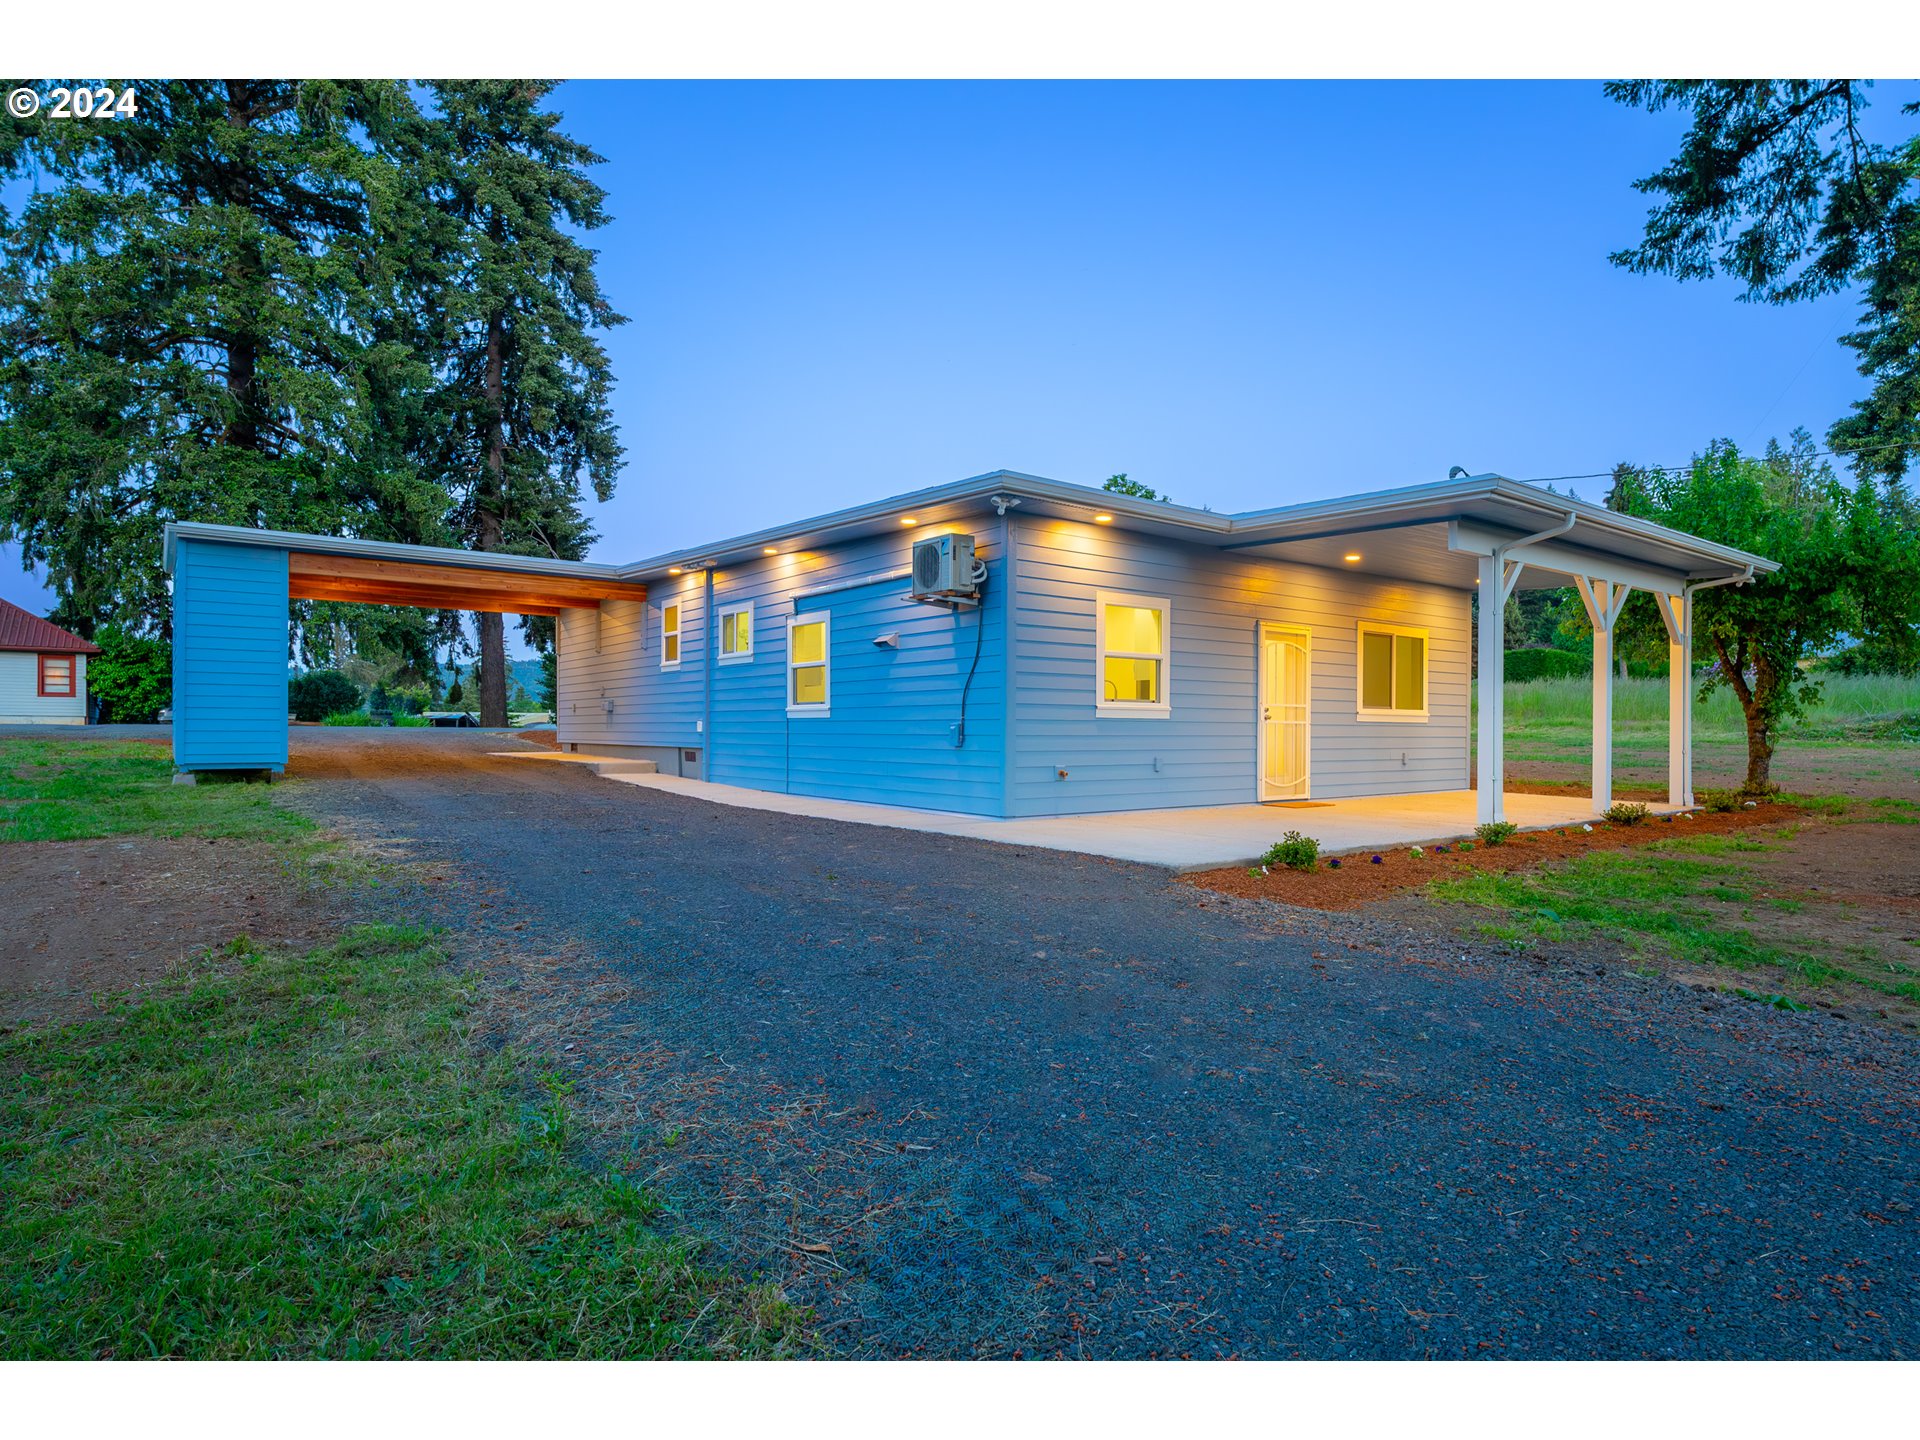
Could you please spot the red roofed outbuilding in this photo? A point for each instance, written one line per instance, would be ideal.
(43, 670)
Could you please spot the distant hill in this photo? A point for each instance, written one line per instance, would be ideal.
(525, 672)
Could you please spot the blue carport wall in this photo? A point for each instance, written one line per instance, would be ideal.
(229, 656)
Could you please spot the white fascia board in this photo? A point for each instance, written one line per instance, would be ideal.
(380, 550)
(936, 505)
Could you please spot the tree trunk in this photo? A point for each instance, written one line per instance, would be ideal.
(242, 430)
(1755, 699)
(1759, 755)
(487, 506)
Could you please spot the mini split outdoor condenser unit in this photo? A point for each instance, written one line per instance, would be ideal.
(943, 565)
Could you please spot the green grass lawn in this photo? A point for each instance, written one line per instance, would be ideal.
(313, 1155)
(1850, 707)
(85, 789)
(1681, 899)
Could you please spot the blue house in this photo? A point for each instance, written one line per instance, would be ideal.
(1007, 645)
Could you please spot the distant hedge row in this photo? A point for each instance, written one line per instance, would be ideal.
(1546, 665)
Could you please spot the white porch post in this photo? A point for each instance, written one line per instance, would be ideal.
(1602, 706)
(1604, 600)
(1490, 776)
(1677, 612)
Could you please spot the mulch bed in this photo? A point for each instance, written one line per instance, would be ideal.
(1358, 881)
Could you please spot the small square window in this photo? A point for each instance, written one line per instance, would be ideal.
(736, 634)
(1393, 673)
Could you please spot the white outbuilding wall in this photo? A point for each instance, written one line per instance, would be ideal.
(21, 702)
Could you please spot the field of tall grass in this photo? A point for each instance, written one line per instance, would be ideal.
(1849, 705)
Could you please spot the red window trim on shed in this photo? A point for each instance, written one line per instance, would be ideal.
(72, 678)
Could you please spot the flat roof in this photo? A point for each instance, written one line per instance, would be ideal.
(1410, 532)
(1508, 507)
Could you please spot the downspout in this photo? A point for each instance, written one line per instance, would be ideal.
(708, 638)
(1500, 551)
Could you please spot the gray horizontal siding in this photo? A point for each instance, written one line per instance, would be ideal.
(1206, 749)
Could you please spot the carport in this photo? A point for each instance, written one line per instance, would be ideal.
(231, 588)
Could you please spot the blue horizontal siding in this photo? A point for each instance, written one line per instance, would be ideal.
(889, 737)
(229, 656)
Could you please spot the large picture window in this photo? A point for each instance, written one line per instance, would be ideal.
(669, 637)
(736, 633)
(810, 663)
(1393, 673)
(56, 675)
(1134, 637)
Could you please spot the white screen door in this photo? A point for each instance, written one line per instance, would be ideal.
(1285, 729)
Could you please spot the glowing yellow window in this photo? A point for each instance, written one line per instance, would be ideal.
(1393, 673)
(1133, 635)
(669, 635)
(809, 664)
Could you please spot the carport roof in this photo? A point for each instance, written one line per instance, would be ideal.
(379, 572)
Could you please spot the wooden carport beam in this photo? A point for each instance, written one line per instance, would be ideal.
(357, 580)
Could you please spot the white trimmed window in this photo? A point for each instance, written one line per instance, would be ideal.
(810, 663)
(670, 636)
(1393, 673)
(736, 633)
(1134, 638)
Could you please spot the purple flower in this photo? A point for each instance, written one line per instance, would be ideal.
(1377, 860)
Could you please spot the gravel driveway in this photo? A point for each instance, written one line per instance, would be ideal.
(967, 1099)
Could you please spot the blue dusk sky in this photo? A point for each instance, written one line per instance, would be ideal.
(1242, 294)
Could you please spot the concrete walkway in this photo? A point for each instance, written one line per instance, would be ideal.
(1189, 839)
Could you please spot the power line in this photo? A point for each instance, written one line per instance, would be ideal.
(1682, 469)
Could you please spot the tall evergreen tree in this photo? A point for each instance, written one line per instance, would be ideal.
(188, 329)
(522, 416)
(1777, 184)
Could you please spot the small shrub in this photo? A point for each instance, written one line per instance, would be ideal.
(1295, 851)
(321, 693)
(1626, 812)
(411, 722)
(1721, 802)
(349, 717)
(1496, 832)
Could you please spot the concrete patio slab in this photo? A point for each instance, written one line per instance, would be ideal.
(1191, 839)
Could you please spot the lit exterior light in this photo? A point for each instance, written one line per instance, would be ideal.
(675, 570)
(1351, 557)
(1103, 519)
(908, 520)
(769, 549)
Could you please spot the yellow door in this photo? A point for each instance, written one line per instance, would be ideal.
(1285, 719)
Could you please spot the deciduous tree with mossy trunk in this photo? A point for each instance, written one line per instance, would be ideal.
(1849, 565)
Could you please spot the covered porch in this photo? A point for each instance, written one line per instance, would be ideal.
(1490, 536)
